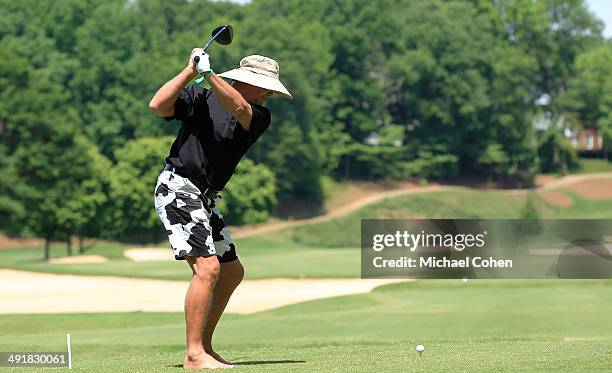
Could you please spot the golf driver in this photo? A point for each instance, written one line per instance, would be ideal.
(222, 35)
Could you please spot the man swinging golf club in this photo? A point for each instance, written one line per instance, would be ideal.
(218, 127)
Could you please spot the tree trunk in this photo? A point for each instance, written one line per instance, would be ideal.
(81, 245)
(69, 246)
(347, 167)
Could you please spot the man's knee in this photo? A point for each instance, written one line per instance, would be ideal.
(233, 272)
(239, 276)
(205, 268)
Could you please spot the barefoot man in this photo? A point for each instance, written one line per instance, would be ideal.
(217, 128)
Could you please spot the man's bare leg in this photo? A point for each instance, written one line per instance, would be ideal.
(230, 276)
(205, 273)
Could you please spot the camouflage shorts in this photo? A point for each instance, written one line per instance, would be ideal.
(194, 224)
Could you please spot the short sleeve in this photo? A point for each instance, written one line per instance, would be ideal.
(185, 105)
(259, 122)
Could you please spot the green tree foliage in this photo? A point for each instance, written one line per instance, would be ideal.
(291, 146)
(552, 32)
(54, 173)
(250, 196)
(446, 88)
(589, 96)
(556, 154)
(64, 186)
(12, 209)
(132, 185)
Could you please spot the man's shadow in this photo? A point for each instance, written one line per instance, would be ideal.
(257, 362)
(263, 362)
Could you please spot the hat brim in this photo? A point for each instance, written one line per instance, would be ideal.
(258, 80)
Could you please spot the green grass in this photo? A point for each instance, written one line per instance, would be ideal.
(476, 326)
(589, 166)
(266, 257)
(460, 203)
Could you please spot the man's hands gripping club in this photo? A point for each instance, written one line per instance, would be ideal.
(201, 59)
(162, 103)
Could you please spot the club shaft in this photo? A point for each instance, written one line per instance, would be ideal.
(214, 37)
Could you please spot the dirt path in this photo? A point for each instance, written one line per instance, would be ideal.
(543, 183)
(33, 292)
(572, 179)
(340, 211)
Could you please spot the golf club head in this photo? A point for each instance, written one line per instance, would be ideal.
(224, 34)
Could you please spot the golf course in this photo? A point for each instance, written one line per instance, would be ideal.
(306, 186)
(475, 325)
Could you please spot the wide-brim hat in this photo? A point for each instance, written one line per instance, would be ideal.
(259, 71)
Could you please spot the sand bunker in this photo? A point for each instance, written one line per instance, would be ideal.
(79, 259)
(149, 254)
(32, 292)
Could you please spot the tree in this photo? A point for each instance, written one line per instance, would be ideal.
(589, 95)
(51, 162)
(552, 32)
(11, 207)
(290, 146)
(461, 91)
(130, 210)
(250, 195)
(556, 153)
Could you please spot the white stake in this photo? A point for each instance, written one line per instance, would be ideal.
(69, 351)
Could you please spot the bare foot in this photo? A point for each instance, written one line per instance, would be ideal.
(202, 360)
(218, 357)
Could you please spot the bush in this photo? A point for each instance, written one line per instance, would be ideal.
(131, 210)
(250, 196)
(557, 155)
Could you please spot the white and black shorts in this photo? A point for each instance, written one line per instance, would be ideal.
(194, 224)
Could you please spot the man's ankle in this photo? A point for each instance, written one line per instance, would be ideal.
(194, 353)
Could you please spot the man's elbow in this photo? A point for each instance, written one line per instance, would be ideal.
(157, 110)
(244, 109)
(244, 115)
(153, 106)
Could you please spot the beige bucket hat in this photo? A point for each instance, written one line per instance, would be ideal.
(259, 71)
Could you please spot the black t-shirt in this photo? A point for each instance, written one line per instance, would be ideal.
(211, 141)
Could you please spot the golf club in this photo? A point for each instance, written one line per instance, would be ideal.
(222, 35)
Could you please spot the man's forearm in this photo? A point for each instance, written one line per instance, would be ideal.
(162, 104)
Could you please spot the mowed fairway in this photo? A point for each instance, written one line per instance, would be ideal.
(475, 326)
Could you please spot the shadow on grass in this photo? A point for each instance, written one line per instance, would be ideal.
(256, 362)
(262, 362)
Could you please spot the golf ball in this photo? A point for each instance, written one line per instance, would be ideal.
(420, 348)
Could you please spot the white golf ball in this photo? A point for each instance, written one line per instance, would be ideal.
(465, 279)
(420, 348)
